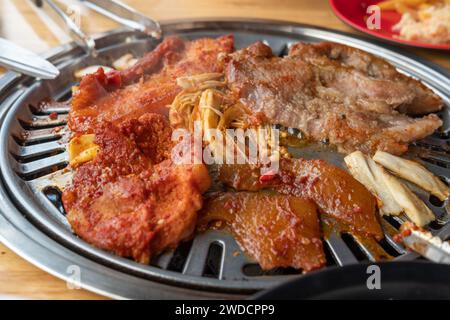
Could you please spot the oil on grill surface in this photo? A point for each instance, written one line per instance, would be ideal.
(40, 158)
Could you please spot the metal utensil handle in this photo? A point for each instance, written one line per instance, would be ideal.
(126, 16)
(83, 40)
(19, 59)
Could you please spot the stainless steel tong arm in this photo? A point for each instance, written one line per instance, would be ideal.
(112, 9)
(83, 40)
(125, 15)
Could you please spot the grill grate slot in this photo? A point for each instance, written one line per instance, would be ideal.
(58, 179)
(357, 250)
(340, 251)
(435, 201)
(35, 152)
(233, 258)
(54, 195)
(214, 259)
(179, 257)
(254, 270)
(198, 254)
(28, 138)
(331, 261)
(63, 98)
(393, 244)
(437, 225)
(394, 223)
(35, 169)
(437, 169)
(389, 248)
(439, 158)
(439, 145)
(43, 122)
(47, 108)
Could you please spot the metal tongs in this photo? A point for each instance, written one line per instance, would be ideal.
(112, 9)
(433, 248)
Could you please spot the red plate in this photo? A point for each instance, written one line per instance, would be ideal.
(354, 13)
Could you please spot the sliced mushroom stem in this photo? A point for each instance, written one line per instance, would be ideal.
(372, 176)
(395, 197)
(413, 172)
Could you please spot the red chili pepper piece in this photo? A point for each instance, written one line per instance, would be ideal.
(113, 79)
(269, 176)
(53, 115)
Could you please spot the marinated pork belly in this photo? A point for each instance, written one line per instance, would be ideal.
(333, 100)
(276, 230)
(131, 199)
(148, 86)
(335, 191)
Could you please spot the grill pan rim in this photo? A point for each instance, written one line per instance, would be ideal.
(222, 23)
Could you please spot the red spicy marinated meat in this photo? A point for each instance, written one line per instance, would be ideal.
(148, 86)
(131, 199)
(276, 230)
(334, 190)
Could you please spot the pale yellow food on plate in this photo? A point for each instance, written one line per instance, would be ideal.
(422, 20)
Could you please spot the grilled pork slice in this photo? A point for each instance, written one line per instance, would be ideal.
(276, 230)
(131, 199)
(334, 190)
(365, 77)
(327, 101)
(148, 86)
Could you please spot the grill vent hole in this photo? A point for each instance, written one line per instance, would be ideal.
(22, 141)
(431, 147)
(435, 162)
(27, 159)
(353, 246)
(254, 270)
(213, 261)
(36, 111)
(43, 172)
(28, 125)
(435, 201)
(392, 222)
(54, 195)
(65, 97)
(179, 257)
(436, 225)
(388, 248)
(47, 107)
(328, 255)
(284, 51)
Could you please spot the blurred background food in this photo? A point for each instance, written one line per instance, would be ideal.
(422, 20)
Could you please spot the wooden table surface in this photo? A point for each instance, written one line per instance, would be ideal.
(30, 27)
